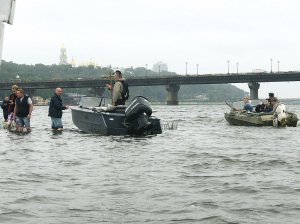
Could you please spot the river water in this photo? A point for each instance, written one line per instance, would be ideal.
(205, 171)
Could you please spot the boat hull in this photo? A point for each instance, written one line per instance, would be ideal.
(258, 119)
(109, 123)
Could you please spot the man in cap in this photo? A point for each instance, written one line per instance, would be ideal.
(273, 100)
(118, 97)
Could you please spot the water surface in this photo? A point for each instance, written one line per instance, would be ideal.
(205, 171)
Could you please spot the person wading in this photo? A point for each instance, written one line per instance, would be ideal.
(11, 105)
(22, 111)
(55, 110)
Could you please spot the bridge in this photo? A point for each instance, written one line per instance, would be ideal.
(172, 83)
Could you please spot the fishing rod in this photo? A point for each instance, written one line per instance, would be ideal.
(111, 87)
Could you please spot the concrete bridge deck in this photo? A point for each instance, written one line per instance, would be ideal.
(172, 83)
(159, 81)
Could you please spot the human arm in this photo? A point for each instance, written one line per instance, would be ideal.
(109, 87)
(29, 101)
(30, 110)
(57, 103)
(15, 112)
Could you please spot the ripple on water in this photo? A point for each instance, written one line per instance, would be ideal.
(205, 171)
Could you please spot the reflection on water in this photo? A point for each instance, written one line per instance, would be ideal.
(205, 171)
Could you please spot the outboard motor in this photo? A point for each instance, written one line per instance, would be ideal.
(280, 116)
(137, 114)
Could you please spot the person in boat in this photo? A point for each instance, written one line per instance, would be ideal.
(264, 107)
(4, 107)
(120, 92)
(22, 111)
(247, 105)
(273, 101)
(267, 108)
(55, 110)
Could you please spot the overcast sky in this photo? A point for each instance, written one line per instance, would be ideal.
(127, 33)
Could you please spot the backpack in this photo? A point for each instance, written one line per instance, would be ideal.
(125, 92)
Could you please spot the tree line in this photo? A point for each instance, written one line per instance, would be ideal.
(10, 72)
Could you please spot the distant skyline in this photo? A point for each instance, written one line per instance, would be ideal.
(248, 33)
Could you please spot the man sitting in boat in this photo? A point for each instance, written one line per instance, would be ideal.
(273, 101)
(265, 107)
(120, 92)
(247, 105)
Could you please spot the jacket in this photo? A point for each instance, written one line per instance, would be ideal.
(4, 107)
(22, 107)
(11, 106)
(56, 107)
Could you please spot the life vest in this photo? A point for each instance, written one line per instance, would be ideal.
(22, 107)
(125, 92)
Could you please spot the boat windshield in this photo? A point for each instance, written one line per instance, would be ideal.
(88, 101)
(239, 105)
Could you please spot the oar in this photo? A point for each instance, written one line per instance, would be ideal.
(228, 104)
(232, 108)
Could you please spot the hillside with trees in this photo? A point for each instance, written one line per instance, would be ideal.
(10, 71)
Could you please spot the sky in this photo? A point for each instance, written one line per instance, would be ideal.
(138, 32)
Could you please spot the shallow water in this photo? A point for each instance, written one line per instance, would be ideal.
(205, 171)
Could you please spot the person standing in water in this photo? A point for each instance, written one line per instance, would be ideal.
(4, 107)
(55, 110)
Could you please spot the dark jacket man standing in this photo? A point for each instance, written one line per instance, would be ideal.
(55, 110)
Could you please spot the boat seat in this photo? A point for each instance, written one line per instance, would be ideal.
(118, 109)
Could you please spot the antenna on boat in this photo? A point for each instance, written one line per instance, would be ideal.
(111, 87)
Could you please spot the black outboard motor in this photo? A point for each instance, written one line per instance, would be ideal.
(137, 114)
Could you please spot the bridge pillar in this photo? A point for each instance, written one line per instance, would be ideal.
(97, 91)
(254, 86)
(172, 98)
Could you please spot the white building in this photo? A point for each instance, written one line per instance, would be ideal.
(7, 11)
(63, 55)
(160, 66)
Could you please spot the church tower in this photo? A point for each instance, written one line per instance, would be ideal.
(63, 55)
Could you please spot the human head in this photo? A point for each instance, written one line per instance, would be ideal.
(267, 101)
(58, 91)
(20, 93)
(118, 75)
(271, 94)
(14, 88)
(6, 98)
(246, 99)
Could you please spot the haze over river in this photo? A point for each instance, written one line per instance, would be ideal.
(205, 171)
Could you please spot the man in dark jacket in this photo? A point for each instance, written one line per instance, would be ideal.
(55, 110)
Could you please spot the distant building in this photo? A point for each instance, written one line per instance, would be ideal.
(63, 56)
(259, 70)
(160, 66)
(89, 63)
(73, 62)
